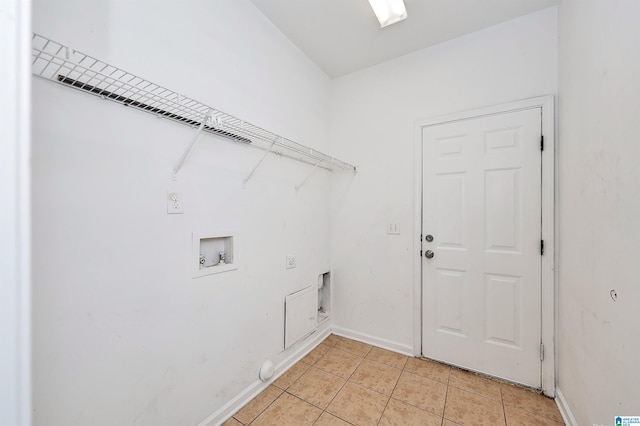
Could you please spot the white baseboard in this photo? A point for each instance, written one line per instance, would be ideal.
(375, 341)
(298, 351)
(565, 411)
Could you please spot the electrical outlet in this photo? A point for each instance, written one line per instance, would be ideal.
(174, 203)
(393, 228)
(291, 261)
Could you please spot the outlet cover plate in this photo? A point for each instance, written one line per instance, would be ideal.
(174, 203)
(291, 261)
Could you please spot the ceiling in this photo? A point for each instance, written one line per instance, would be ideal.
(343, 36)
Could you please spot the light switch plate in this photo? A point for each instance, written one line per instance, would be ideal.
(393, 228)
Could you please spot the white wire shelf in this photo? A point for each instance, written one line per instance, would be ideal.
(59, 63)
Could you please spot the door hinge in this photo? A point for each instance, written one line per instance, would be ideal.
(541, 352)
(541, 142)
(420, 253)
(541, 247)
(420, 237)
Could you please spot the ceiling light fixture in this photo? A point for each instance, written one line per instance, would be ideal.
(388, 11)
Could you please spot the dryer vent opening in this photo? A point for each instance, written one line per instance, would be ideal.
(324, 297)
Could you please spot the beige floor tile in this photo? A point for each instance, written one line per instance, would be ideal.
(250, 411)
(421, 392)
(327, 419)
(388, 357)
(232, 422)
(516, 417)
(317, 353)
(348, 345)
(419, 397)
(331, 340)
(429, 369)
(325, 346)
(376, 376)
(291, 375)
(317, 387)
(288, 410)
(358, 405)
(472, 409)
(339, 363)
(471, 382)
(399, 413)
(526, 400)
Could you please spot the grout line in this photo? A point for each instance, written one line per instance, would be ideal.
(265, 408)
(364, 357)
(306, 402)
(504, 411)
(382, 362)
(391, 395)
(324, 371)
(446, 395)
(476, 393)
(436, 381)
(309, 366)
(311, 403)
(342, 387)
(531, 391)
(533, 414)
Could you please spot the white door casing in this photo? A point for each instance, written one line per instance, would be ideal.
(15, 222)
(485, 193)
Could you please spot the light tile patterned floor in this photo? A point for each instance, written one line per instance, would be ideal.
(343, 382)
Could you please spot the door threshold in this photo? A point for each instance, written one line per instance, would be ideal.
(487, 376)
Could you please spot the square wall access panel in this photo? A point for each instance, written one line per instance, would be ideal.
(300, 315)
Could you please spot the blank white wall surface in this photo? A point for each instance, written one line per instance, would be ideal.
(15, 273)
(122, 333)
(599, 208)
(373, 114)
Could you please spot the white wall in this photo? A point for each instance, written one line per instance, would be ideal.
(373, 114)
(599, 208)
(122, 333)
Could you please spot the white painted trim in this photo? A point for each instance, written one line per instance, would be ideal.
(306, 346)
(15, 224)
(417, 243)
(230, 408)
(565, 411)
(525, 104)
(549, 185)
(549, 236)
(375, 341)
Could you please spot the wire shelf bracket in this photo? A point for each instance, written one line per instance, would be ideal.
(180, 162)
(245, 180)
(60, 63)
(308, 176)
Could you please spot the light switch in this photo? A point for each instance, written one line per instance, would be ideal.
(393, 228)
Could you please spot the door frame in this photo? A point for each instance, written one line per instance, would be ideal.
(15, 222)
(548, 290)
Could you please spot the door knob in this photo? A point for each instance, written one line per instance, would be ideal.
(429, 254)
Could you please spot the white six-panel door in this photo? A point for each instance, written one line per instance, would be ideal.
(481, 290)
